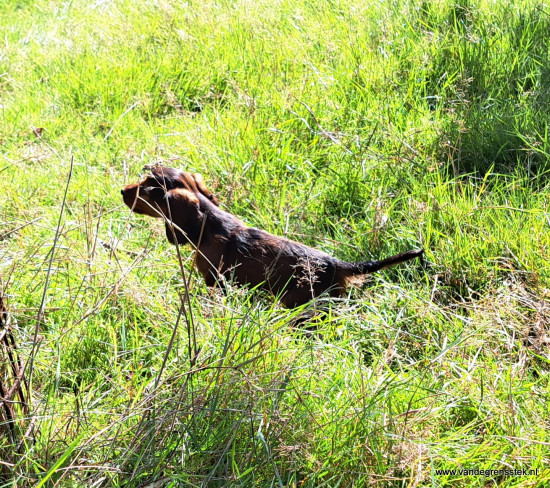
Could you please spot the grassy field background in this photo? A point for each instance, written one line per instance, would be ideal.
(362, 128)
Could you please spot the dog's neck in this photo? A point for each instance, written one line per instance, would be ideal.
(219, 221)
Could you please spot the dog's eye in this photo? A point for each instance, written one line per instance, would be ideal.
(154, 192)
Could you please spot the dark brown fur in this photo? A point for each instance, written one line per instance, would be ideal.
(227, 247)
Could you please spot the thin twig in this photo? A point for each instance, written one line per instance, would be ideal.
(129, 109)
(35, 343)
(22, 226)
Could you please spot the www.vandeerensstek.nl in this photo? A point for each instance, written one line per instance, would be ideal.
(487, 472)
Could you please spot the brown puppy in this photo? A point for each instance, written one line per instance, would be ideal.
(227, 247)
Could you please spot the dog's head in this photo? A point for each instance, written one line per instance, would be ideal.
(150, 196)
(172, 195)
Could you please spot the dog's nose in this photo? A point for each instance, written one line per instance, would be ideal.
(122, 191)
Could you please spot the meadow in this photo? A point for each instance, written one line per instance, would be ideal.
(363, 128)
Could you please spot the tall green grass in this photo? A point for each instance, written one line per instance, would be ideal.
(364, 129)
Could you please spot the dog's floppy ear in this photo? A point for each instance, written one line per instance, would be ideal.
(184, 210)
(199, 181)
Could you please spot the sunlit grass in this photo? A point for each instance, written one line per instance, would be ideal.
(362, 129)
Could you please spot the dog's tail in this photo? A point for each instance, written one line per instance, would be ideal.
(365, 267)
